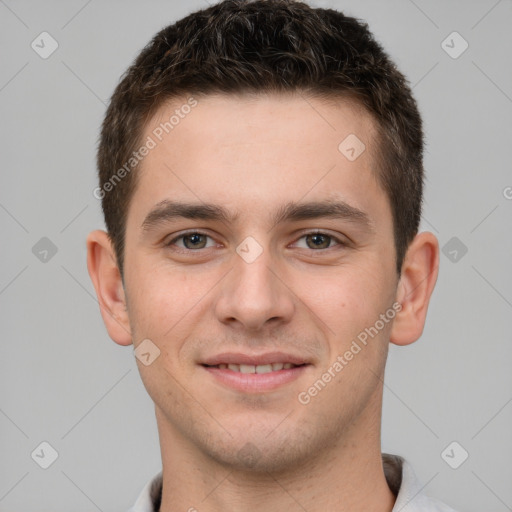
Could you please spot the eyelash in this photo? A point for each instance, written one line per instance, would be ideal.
(189, 233)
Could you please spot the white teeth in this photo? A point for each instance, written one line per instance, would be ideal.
(247, 368)
(264, 368)
(261, 368)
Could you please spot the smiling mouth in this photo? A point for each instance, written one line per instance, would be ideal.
(250, 368)
(255, 373)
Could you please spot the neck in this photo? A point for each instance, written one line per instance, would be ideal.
(347, 476)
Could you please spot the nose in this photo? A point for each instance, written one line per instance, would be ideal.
(254, 295)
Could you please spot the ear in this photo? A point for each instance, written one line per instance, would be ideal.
(105, 275)
(417, 281)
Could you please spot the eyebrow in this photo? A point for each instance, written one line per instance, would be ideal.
(167, 210)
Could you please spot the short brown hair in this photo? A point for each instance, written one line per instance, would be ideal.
(239, 46)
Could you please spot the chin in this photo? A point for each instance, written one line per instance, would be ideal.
(257, 459)
(260, 450)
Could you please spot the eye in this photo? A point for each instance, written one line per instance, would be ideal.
(192, 240)
(320, 240)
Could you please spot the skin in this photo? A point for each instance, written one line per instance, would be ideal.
(228, 450)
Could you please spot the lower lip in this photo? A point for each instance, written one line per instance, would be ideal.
(255, 382)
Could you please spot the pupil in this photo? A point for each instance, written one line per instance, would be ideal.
(194, 239)
(319, 240)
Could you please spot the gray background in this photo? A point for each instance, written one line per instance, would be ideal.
(65, 382)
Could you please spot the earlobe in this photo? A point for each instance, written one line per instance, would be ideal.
(106, 278)
(417, 281)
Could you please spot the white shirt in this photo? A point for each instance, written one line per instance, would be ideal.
(399, 475)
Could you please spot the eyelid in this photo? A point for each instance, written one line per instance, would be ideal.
(182, 234)
(340, 240)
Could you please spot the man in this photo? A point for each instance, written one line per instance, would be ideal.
(261, 178)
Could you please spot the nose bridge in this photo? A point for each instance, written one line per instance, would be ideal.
(252, 294)
(255, 277)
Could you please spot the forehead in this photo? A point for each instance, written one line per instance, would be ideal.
(290, 120)
(249, 153)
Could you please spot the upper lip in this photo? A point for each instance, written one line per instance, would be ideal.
(256, 360)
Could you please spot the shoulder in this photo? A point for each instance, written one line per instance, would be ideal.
(150, 497)
(410, 495)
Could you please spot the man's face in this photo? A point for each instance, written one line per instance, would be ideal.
(263, 287)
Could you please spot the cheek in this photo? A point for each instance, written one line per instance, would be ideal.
(347, 299)
(349, 304)
(160, 298)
